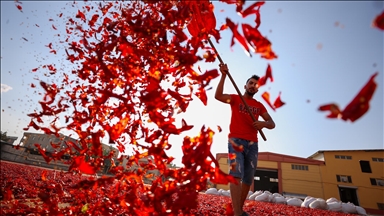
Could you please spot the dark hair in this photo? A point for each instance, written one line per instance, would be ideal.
(253, 77)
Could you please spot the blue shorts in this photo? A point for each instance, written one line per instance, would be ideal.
(245, 163)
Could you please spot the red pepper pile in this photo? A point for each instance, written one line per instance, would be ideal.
(27, 189)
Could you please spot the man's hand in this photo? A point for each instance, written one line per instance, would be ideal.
(223, 69)
(258, 125)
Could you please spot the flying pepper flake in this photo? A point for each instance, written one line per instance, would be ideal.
(257, 42)
(80, 164)
(357, 107)
(19, 7)
(80, 15)
(268, 75)
(237, 36)
(44, 175)
(360, 104)
(266, 98)
(333, 109)
(378, 22)
(253, 9)
(278, 102)
(203, 20)
(231, 156)
(236, 147)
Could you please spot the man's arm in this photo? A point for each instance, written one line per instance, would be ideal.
(225, 98)
(267, 123)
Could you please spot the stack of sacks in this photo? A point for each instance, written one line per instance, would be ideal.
(348, 208)
(334, 204)
(221, 191)
(264, 197)
(307, 201)
(212, 191)
(278, 198)
(249, 194)
(360, 210)
(254, 195)
(226, 193)
(294, 202)
(318, 204)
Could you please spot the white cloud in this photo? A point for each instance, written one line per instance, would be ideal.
(5, 88)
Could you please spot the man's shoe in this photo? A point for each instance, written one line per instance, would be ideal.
(245, 214)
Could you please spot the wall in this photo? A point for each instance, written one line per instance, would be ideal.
(368, 195)
(306, 182)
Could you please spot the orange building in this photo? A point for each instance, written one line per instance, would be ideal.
(355, 176)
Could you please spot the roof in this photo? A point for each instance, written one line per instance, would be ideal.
(355, 150)
(275, 157)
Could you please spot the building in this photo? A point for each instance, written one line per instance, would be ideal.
(355, 176)
(10, 139)
(27, 152)
(283, 174)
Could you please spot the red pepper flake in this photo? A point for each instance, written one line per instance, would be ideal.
(219, 128)
(268, 75)
(19, 7)
(266, 98)
(238, 148)
(378, 22)
(44, 175)
(278, 102)
(357, 107)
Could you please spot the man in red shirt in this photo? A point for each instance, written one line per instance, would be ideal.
(243, 143)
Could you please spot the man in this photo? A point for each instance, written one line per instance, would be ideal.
(243, 142)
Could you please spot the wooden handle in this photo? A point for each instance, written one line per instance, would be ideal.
(237, 89)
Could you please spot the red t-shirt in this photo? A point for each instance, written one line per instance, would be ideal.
(241, 122)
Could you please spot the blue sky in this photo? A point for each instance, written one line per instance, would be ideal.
(326, 51)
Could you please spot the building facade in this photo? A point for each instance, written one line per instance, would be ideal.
(284, 174)
(355, 176)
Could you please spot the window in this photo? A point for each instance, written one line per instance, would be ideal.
(257, 178)
(365, 167)
(343, 178)
(378, 159)
(343, 157)
(299, 167)
(378, 182)
(273, 180)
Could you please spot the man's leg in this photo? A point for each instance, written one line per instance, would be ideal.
(244, 193)
(236, 193)
(250, 164)
(236, 170)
